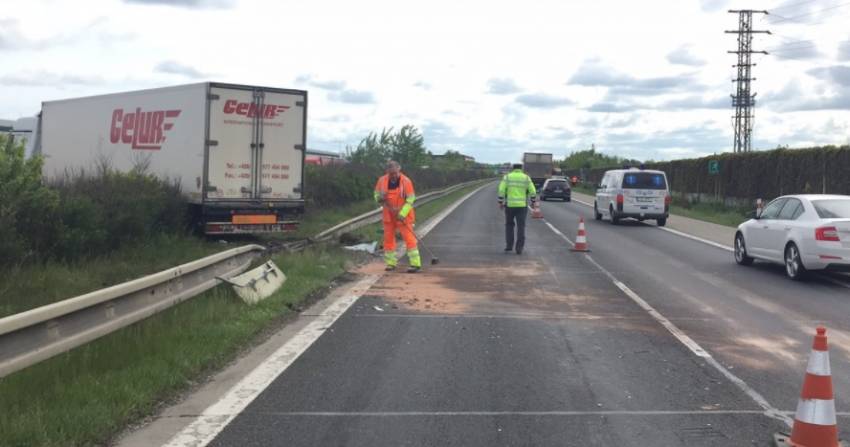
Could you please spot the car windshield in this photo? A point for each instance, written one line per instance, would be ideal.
(556, 184)
(644, 180)
(832, 208)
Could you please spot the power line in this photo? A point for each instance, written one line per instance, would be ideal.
(791, 50)
(791, 45)
(785, 19)
(793, 5)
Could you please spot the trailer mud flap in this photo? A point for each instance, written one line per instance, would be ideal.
(258, 284)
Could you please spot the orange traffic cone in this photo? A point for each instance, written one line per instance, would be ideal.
(536, 213)
(814, 422)
(581, 238)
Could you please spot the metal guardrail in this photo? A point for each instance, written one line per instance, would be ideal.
(375, 215)
(38, 334)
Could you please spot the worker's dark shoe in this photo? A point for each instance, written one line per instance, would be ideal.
(519, 250)
(414, 269)
(390, 268)
(507, 249)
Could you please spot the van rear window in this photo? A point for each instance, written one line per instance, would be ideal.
(643, 180)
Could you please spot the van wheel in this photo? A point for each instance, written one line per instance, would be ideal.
(661, 222)
(615, 219)
(596, 214)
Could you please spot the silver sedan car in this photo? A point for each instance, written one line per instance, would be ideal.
(803, 232)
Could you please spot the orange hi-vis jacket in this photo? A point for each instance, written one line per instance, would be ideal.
(398, 201)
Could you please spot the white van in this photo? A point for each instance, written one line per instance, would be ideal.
(637, 193)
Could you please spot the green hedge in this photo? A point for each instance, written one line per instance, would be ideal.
(82, 214)
(87, 214)
(760, 174)
(339, 185)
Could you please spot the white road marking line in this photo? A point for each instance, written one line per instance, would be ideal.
(676, 232)
(558, 232)
(505, 317)
(769, 410)
(217, 416)
(835, 281)
(507, 413)
(728, 248)
(695, 238)
(583, 202)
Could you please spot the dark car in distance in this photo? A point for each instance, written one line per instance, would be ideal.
(556, 188)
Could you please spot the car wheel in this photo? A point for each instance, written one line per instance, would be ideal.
(793, 264)
(614, 218)
(596, 214)
(569, 199)
(542, 198)
(741, 251)
(661, 222)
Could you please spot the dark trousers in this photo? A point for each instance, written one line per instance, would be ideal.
(515, 214)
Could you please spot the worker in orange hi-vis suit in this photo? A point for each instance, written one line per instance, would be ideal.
(394, 191)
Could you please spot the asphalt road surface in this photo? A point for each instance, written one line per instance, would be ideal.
(554, 348)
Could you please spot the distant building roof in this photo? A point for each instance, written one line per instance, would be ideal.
(323, 153)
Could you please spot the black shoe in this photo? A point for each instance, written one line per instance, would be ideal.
(414, 269)
(390, 268)
(509, 249)
(519, 250)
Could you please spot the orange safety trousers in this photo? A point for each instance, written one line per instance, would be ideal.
(390, 229)
(394, 201)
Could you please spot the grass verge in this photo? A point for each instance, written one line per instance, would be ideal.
(87, 395)
(31, 286)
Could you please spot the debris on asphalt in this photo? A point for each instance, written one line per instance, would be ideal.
(368, 247)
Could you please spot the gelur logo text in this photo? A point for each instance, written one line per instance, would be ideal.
(250, 109)
(142, 130)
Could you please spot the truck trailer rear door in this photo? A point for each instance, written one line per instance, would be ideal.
(281, 144)
(232, 128)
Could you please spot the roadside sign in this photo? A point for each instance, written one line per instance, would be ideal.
(713, 167)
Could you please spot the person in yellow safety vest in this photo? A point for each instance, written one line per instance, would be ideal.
(517, 187)
(394, 191)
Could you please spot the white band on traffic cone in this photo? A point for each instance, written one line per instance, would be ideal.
(819, 363)
(816, 411)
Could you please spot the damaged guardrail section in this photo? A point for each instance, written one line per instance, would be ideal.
(375, 215)
(38, 334)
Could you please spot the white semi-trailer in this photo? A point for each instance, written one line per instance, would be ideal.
(237, 150)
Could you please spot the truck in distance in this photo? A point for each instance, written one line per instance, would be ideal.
(238, 151)
(538, 166)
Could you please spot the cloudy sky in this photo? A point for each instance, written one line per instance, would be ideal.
(647, 79)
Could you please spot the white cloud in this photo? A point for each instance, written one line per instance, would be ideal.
(684, 56)
(187, 3)
(543, 101)
(493, 77)
(353, 97)
(174, 67)
(502, 86)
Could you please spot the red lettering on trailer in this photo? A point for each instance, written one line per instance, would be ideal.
(141, 130)
(250, 109)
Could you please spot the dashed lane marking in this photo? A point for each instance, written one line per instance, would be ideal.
(769, 410)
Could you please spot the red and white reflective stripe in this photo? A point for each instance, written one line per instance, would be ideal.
(816, 411)
(819, 363)
(580, 239)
